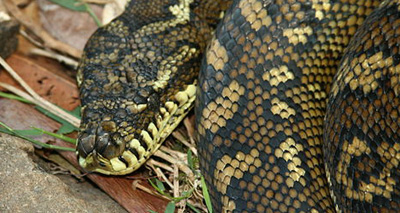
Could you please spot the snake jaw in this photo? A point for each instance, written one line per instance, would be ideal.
(100, 149)
(95, 162)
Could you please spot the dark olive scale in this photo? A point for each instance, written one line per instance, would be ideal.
(260, 112)
(261, 98)
(362, 129)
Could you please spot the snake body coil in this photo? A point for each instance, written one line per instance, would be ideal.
(261, 99)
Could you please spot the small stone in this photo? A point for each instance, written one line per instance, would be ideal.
(8, 36)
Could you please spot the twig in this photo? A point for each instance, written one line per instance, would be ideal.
(159, 173)
(180, 138)
(37, 99)
(27, 36)
(181, 156)
(165, 178)
(182, 166)
(137, 185)
(190, 129)
(50, 54)
(18, 78)
(176, 181)
(159, 164)
(18, 92)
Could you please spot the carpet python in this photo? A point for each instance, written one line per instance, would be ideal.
(265, 71)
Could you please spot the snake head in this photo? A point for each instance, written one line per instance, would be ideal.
(105, 143)
(98, 145)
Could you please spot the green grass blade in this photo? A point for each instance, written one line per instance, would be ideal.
(190, 159)
(71, 4)
(158, 189)
(170, 207)
(59, 136)
(78, 5)
(14, 97)
(91, 13)
(160, 185)
(75, 112)
(206, 195)
(66, 126)
(6, 129)
(192, 207)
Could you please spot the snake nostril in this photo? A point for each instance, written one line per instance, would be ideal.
(86, 144)
(102, 142)
(109, 145)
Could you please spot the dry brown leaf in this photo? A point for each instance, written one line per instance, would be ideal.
(72, 27)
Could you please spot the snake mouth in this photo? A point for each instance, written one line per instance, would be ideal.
(121, 165)
(102, 151)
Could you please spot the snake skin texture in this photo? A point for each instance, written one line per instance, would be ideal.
(137, 80)
(361, 134)
(261, 98)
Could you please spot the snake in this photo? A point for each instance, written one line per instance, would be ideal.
(296, 102)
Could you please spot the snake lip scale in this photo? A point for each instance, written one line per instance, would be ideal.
(296, 102)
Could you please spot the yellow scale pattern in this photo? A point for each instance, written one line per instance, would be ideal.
(362, 123)
(284, 54)
(261, 99)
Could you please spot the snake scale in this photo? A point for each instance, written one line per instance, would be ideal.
(266, 70)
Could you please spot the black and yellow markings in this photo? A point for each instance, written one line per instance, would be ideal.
(365, 189)
(224, 107)
(236, 167)
(217, 55)
(298, 35)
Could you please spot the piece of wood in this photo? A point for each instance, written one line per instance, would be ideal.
(65, 94)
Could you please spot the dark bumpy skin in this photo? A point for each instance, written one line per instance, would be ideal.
(137, 80)
(261, 101)
(362, 134)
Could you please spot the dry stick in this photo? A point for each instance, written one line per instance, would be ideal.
(164, 178)
(176, 181)
(18, 78)
(182, 166)
(159, 173)
(179, 155)
(137, 185)
(190, 130)
(159, 164)
(176, 188)
(53, 55)
(180, 138)
(18, 92)
(32, 40)
(39, 100)
(49, 41)
(198, 205)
